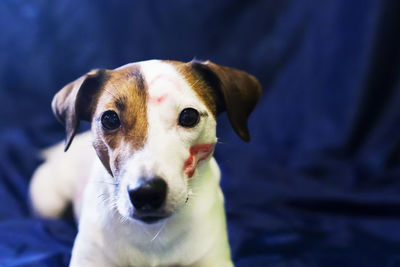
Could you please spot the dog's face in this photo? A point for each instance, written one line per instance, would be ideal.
(154, 124)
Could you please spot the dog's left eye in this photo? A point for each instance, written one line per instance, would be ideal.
(189, 117)
(110, 120)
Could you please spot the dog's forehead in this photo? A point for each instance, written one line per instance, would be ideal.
(164, 79)
(153, 73)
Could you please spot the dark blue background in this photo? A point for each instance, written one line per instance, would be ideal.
(318, 185)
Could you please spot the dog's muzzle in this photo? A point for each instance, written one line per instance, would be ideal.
(148, 198)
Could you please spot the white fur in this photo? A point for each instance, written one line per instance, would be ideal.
(195, 235)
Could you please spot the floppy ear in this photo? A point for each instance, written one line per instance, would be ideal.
(74, 102)
(236, 91)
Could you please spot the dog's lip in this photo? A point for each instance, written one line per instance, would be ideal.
(150, 218)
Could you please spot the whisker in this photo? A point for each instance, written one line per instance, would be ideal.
(195, 83)
(159, 231)
(106, 200)
(110, 92)
(101, 195)
(104, 182)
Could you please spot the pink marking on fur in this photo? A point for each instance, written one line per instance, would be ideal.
(157, 99)
(167, 78)
(202, 152)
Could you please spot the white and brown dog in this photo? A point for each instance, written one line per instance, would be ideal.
(148, 194)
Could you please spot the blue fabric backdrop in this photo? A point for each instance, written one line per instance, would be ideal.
(318, 185)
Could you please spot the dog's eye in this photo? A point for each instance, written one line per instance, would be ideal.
(189, 117)
(110, 120)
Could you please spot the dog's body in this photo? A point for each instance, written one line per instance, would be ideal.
(148, 193)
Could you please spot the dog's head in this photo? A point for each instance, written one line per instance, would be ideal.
(154, 126)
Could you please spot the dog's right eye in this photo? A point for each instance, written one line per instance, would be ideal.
(110, 120)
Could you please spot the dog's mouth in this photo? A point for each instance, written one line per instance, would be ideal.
(150, 218)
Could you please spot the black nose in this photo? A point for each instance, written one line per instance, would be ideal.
(149, 195)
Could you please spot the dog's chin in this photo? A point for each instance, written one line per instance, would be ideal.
(151, 219)
(147, 218)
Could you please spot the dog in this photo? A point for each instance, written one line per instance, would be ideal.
(148, 194)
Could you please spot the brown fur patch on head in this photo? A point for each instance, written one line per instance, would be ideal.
(125, 93)
(199, 85)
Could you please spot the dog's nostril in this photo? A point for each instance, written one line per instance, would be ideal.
(149, 195)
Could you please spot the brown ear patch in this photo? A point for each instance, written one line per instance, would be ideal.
(240, 93)
(76, 101)
(199, 84)
(224, 89)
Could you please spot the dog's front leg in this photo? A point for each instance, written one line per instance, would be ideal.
(88, 253)
(217, 257)
(213, 262)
